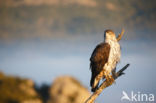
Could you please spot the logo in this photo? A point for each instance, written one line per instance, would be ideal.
(140, 97)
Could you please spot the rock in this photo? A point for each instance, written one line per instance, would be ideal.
(17, 90)
(32, 101)
(66, 89)
(27, 87)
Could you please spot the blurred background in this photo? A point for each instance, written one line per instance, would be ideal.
(45, 39)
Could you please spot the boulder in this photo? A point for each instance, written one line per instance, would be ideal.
(66, 89)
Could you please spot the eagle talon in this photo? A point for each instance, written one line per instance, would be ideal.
(110, 79)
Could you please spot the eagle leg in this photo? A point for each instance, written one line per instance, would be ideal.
(109, 78)
(96, 81)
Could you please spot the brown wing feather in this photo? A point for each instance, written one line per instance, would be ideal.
(98, 59)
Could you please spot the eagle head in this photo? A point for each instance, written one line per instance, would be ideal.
(109, 35)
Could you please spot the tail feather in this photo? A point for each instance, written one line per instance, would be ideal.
(95, 88)
(94, 84)
(92, 80)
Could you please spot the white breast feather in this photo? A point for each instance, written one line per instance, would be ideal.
(114, 56)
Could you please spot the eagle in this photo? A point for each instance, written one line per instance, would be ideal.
(104, 59)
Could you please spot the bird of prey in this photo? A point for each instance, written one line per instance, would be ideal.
(104, 59)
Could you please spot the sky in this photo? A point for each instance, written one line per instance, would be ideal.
(46, 39)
